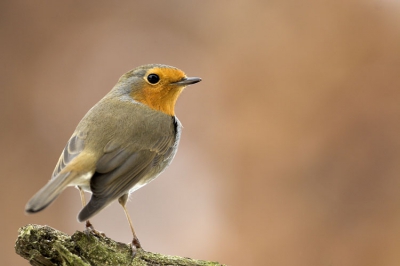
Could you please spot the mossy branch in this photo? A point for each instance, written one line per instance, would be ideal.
(45, 246)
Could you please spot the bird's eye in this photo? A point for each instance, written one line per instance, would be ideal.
(153, 78)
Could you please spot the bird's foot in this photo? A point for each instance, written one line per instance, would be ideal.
(135, 245)
(90, 230)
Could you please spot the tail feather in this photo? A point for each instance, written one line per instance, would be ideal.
(49, 192)
(94, 206)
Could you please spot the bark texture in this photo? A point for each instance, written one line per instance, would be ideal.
(46, 246)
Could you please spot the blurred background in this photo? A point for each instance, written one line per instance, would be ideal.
(290, 152)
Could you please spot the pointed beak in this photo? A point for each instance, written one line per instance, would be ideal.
(187, 81)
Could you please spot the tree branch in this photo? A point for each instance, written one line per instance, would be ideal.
(45, 246)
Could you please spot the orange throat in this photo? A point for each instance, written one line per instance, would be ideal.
(162, 100)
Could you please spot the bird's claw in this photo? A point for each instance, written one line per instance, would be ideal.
(90, 230)
(135, 245)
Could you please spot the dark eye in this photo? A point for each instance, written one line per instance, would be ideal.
(153, 78)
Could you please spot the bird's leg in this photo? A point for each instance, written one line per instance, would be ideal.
(135, 242)
(83, 200)
(89, 226)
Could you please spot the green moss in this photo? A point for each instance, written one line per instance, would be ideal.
(43, 245)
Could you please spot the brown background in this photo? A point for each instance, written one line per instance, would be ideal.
(290, 150)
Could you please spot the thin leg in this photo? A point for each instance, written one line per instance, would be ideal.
(89, 226)
(83, 199)
(135, 242)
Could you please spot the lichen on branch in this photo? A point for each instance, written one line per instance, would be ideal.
(45, 246)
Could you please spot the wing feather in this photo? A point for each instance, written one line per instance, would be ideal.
(73, 148)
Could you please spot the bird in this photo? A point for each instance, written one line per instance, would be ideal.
(122, 143)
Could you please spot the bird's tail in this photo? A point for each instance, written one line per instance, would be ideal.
(50, 191)
(94, 206)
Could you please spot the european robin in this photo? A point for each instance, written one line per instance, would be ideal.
(125, 141)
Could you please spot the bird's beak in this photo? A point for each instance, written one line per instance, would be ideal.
(187, 81)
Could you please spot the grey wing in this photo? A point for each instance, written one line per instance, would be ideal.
(121, 169)
(74, 146)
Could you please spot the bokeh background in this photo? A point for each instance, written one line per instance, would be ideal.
(290, 149)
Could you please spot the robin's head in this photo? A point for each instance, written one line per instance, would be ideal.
(157, 86)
